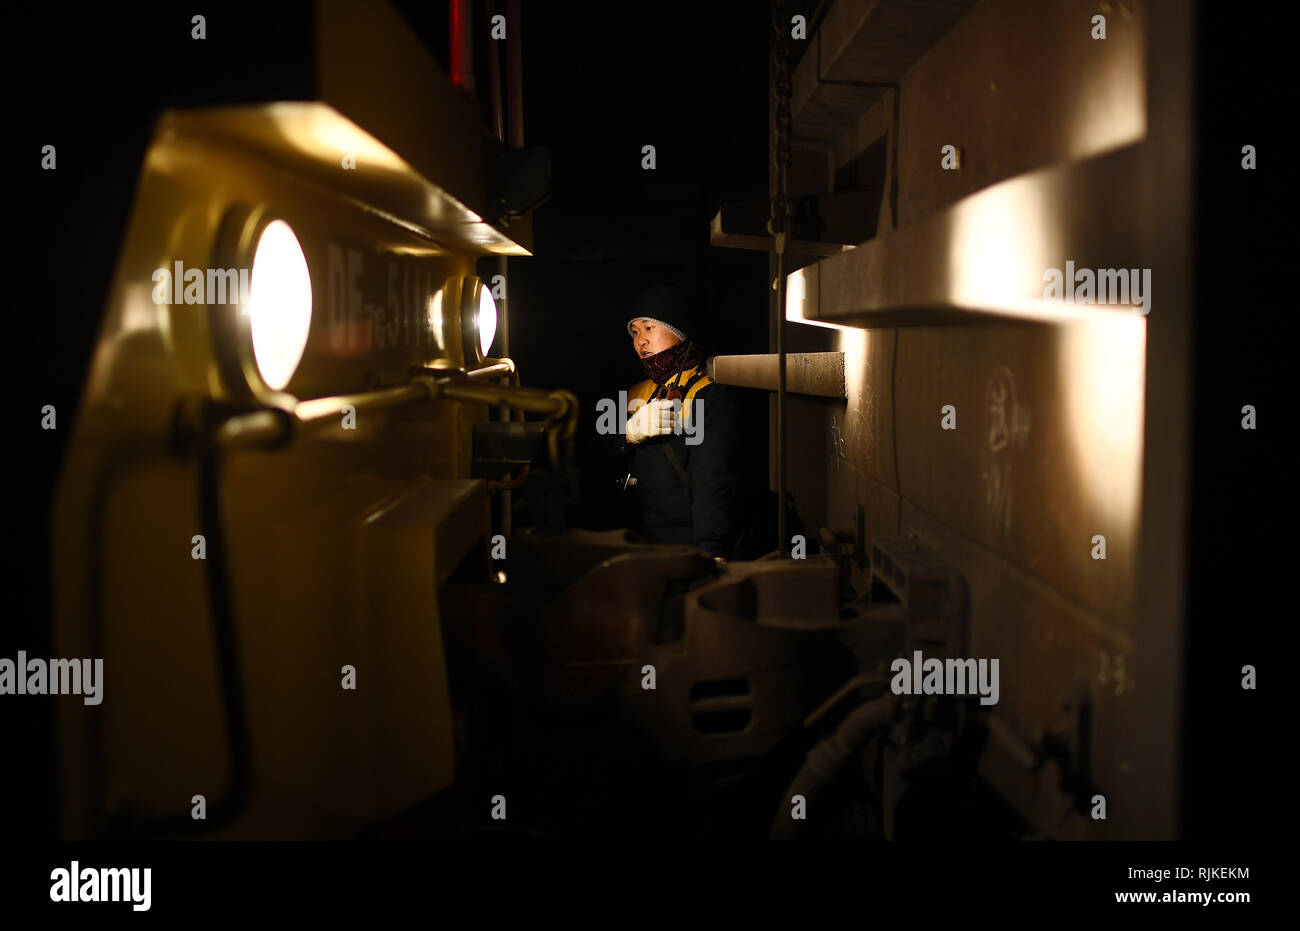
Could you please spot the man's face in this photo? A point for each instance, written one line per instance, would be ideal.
(649, 338)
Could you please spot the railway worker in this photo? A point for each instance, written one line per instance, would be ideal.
(681, 439)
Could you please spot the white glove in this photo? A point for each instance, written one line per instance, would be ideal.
(653, 419)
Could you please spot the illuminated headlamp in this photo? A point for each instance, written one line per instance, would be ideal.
(478, 319)
(259, 336)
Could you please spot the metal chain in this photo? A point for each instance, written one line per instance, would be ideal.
(778, 226)
(781, 119)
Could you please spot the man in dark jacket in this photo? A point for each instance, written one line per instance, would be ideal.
(681, 438)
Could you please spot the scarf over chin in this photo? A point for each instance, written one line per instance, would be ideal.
(664, 365)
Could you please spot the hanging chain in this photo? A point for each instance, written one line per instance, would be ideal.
(777, 225)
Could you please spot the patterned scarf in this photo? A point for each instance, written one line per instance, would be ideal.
(664, 365)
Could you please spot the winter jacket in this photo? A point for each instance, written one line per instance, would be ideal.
(692, 500)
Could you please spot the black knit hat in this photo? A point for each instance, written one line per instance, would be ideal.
(665, 305)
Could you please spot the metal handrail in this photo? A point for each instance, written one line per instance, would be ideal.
(269, 426)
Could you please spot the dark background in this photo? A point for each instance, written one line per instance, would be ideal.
(600, 83)
(1241, 512)
(694, 85)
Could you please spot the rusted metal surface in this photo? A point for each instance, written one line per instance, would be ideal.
(817, 373)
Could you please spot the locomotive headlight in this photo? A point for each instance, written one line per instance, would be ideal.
(487, 318)
(478, 319)
(279, 307)
(258, 338)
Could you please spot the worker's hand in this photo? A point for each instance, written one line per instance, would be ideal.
(653, 419)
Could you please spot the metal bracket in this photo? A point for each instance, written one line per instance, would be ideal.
(933, 595)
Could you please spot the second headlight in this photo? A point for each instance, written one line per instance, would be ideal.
(478, 320)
